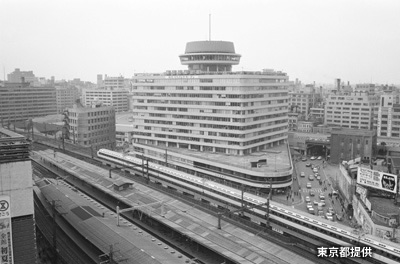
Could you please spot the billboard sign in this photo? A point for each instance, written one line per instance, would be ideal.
(377, 179)
(6, 254)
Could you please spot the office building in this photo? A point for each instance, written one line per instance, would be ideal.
(18, 76)
(292, 122)
(100, 82)
(301, 102)
(114, 83)
(317, 114)
(17, 223)
(387, 116)
(350, 110)
(214, 122)
(92, 126)
(118, 98)
(20, 102)
(348, 144)
(365, 87)
(66, 97)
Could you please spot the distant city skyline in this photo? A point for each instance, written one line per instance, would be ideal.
(311, 40)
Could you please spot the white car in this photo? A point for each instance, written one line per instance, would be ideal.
(313, 158)
(319, 158)
(302, 174)
(308, 199)
(329, 216)
(315, 170)
(309, 185)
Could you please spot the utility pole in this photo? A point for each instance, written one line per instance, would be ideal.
(147, 170)
(268, 202)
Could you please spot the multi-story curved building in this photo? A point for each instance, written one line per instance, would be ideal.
(226, 126)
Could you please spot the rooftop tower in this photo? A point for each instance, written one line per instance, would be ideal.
(210, 56)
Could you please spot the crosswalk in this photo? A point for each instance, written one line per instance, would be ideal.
(314, 190)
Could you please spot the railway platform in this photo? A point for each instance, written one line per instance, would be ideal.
(232, 242)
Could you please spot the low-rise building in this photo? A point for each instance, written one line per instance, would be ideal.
(17, 221)
(348, 144)
(92, 126)
(305, 126)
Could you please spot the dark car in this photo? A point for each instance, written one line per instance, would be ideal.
(303, 159)
(308, 164)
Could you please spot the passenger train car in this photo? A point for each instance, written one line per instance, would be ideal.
(383, 251)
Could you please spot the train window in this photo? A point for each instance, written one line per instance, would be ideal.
(382, 245)
(306, 218)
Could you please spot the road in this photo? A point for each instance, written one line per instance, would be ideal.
(317, 188)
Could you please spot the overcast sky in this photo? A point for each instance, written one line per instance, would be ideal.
(314, 40)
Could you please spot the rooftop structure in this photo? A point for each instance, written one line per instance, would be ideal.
(98, 225)
(210, 56)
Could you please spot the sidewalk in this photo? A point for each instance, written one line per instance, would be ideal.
(337, 202)
(291, 197)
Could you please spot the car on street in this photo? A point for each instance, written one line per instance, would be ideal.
(322, 197)
(302, 174)
(308, 199)
(311, 210)
(315, 202)
(318, 178)
(329, 216)
(319, 158)
(331, 211)
(321, 213)
(312, 194)
(303, 159)
(315, 170)
(311, 177)
(309, 185)
(313, 158)
(308, 164)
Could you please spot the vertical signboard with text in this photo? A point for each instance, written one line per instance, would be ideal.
(6, 254)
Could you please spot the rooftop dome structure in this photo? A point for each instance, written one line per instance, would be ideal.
(210, 56)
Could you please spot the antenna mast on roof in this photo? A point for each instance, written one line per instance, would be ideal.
(209, 27)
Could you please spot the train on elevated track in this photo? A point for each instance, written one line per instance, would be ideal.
(330, 233)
